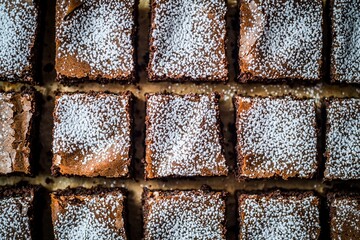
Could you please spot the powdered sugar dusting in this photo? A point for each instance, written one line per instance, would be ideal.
(189, 39)
(97, 217)
(183, 136)
(98, 34)
(281, 39)
(346, 41)
(92, 128)
(7, 133)
(185, 215)
(345, 220)
(343, 139)
(14, 217)
(18, 24)
(280, 217)
(276, 137)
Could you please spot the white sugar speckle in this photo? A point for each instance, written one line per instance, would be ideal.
(185, 215)
(276, 137)
(343, 139)
(183, 136)
(280, 217)
(92, 128)
(189, 40)
(346, 41)
(345, 220)
(281, 39)
(98, 34)
(18, 24)
(14, 217)
(97, 217)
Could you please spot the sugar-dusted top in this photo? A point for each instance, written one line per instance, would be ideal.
(89, 217)
(346, 41)
(184, 215)
(345, 217)
(281, 39)
(15, 217)
(278, 217)
(188, 40)
(183, 136)
(95, 40)
(92, 134)
(343, 139)
(276, 137)
(18, 24)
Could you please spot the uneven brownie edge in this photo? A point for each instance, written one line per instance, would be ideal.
(334, 77)
(23, 189)
(240, 160)
(275, 194)
(153, 77)
(132, 78)
(327, 154)
(147, 194)
(55, 170)
(147, 133)
(247, 77)
(331, 211)
(31, 138)
(29, 76)
(97, 190)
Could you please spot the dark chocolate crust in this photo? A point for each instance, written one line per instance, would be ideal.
(240, 159)
(148, 133)
(29, 76)
(55, 170)
(248, 77)
(148, 193)
(132, 78)
(153, 77)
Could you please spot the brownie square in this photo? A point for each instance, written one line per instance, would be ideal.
(188, 41)
(17, 212)
(17, 130)
(345, 52)
(343, 139)
(183, 136)
(184, 214)
(92, 134)
(277, 215)
(276, 137)
(95, 40)
(344, 215)
(19, 28)
(96, 213)
(280, 40)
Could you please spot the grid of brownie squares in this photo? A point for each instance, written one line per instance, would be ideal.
(183, 136)
(92, 134)
(277, 215)
(276, 137)
(280, 40)
(344, 215)
(184, 214)
(188, 41)
(95, 40)
(345, 51)
(96, 213)
(19, 30)
(17, 212)
(342, 139)
(17, 130)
